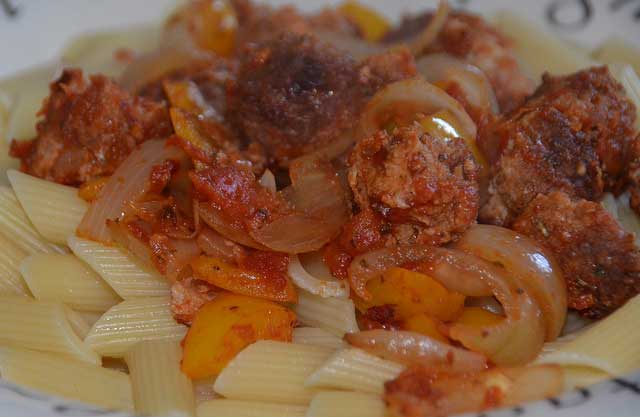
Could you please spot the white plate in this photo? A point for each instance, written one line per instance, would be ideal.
(34, 31)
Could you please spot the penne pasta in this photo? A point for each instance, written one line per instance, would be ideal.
(607, 346)
(15, 225)
(67, 378)
(354, 370)
(335, 315)
(65, 278)
(126, 275)
(78, 323)
(159, 387)
(89, 317)
(582, 376)
(11, 281)
(131, 322)
(531, 43)
(629, 79)
(55, 210)
(234, 408)
(346, 404)
(42, 326)
(98, 53)
(6, 161)
(204, 390)
(617, 51)
(272, 372)
(317, 337)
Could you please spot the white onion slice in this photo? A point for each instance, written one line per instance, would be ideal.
(322, 287)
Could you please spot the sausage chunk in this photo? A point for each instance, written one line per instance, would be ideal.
(571, 136)
(599, 260)
(426, 187)
(88, 129)
(469, 37)
(296, 94)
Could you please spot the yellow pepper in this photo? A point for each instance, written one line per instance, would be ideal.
(478, 317)
(371, 24)
(425, 325)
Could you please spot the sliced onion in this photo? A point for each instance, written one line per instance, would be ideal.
(476, 86)
(412, 348)
(431, 32)
(407, 98)
(315, 285)
(535, 268)
(177, 253)
(128, 182)
(268, 180)
(359, 49)
(234, 232)
(515, 340)
(320, 210)
(437, 394)
(216, 246)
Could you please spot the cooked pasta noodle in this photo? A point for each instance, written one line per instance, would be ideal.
(355, 370)
(317, 337)
(617, 51)
(68, 378)
(79, 323)
(131, 322)
(65, 278)
(336, 315)
(42, 326)
(15, 225)
(271, 372)
(11, 281)
(54, 210)
(126, 275)
(159, 387)
(628, 77)
(235, 408)
(346, 404)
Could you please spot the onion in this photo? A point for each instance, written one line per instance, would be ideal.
(320, 210)
(359, 49)
(437, 394)
(407, 98)
(128, 182)
(322, 287)
(535, 268)
(431, 32)
(268, 180)
(216, 246)
(412, 348)
(515, 340)
(176, 253)
(476, 86)
(234, 232)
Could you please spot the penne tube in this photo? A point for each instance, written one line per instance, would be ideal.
(354, 370)
(78, 323)
(55, 210)
(317, 337)
(235, 408)
(347, 404)
(628, 77)
(131, 322)
(67, 378)
(271, 372)
(15, 225)
(11, 281)
(204, 390)
(616, 51)
(335, 315)
(126, 275)
(160, 388)
(42, 326)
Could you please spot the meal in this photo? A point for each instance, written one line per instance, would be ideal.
(252, 211)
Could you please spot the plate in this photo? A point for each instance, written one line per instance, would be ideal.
(39, 29)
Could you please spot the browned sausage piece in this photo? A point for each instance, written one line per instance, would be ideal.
(599, 260)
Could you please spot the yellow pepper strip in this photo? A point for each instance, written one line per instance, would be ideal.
(423, 324)
(478, 317)
(371, 24)
(211, 23)
(228, 324)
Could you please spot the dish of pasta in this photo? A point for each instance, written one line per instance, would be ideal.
(253, 211)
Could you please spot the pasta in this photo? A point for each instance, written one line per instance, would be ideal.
(127, 276)
(131, 322)
(335, 315)
(629, 79)
(159, 387)
(532, 43)
(15, 225)
(64, 278)
(79, 323)
(606, 346)
(271, 372)
(42, 326)
(617, 51)
(11, 281)
(317, 337)
(68, 378)
(355, 370)
(234, 408)
(54, 210)
(346, 404)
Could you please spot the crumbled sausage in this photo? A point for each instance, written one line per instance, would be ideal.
(599, 260)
